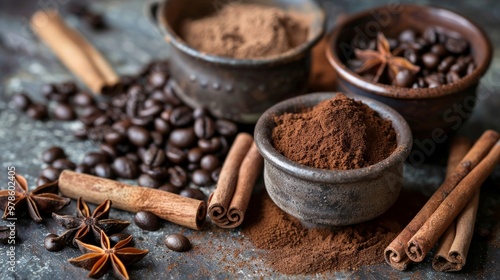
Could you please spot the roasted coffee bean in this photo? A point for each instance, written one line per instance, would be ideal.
(169, 188)
(48, 90)
(95, 21)
(157, 138)
(201, 177)
(193, 193)
(104, 170)
(114, 137)
(122, 126)
(181, 116)
(158, 173)
(445, 64)
(154, 156)
(83, 99)
(52, 243)
(178, 176)
(37, 111)
(439, 50)
(42, 181)
(433, 81)
(94, 158)
(21, 101)
(224, 147)
(147, 220)
(177, 242)
(430, 60)
(459, 67)
(138, 136)
(200, 112)
(215, 174)
(411, 55)
(83, 168)
(226, 127)
(193, 166)
(162, 126)
(145, 180)
(51, 173)
(53, 153)
(151, 111)
(195, 155)
(175, 155)
(452, 77)
(430, 35)
(182, 137)
(125, 168)
(67, 88)
(209, 145)
(117, 237)
(204, 127)
(407, 36)
(470, 68)
(456, 45)
(170, 95)
(157, 79)
(102, 120)
(404, 78)
(63, 164)
(64, 111)
(209, 162)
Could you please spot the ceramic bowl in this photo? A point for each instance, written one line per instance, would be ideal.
(428, 111)
(332, 197)
(236, 89)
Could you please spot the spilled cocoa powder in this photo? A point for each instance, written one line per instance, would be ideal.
(339, 133)
(245, 31)
(290, 248)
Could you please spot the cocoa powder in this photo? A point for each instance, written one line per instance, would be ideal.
(339, 133)
(290, 248)
(245, 31)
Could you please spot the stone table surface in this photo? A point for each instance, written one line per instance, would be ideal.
(131, 41)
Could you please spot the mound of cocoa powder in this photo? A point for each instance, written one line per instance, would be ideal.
(290, 248)
(245, 31)
(339, 133)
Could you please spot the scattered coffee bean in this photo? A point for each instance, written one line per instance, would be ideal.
(37, 111)
(53, 153)
(193, 193)
(177, 242)
(51, 173)
(147, 221)
(63, 164)
(21, 101)
(51, 243)
(64, 111)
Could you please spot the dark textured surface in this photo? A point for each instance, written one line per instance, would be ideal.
(131, 42)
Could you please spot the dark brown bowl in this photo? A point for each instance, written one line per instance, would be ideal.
(427, 110)
(236, 89)
(332, 197)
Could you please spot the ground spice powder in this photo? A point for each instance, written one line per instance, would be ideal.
(339, 133)
(290, 248)
(245, 31)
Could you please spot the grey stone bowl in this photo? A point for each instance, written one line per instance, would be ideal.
(332, 197)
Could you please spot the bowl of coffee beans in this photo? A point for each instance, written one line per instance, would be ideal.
(425, 62)
(333, 159)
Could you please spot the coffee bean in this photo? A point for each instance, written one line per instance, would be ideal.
(430, 60)
(452, 77)
(125, 168)
(37, 111)
(430, 35)
(456, 45)
(407, 36)
(433, 81)
(170, 95)
(104, 170)
(63, 164)
(209, 162)
(193, 193)
(122, 126)
(175, 155)
(177, 242)
(459, 67)
(445, 64)
(470, 68)
(108, 149)
(83, 99)
(51, 243)
(201, 177)
(204, 127)
(83, 168)
(147, 221)
(154, 156)
(42, 181)
(94, 158)
(157, 138)
(193, 166)
(158, 173)
(138, 136)
(145, 180)
(411, 56)
(195, 155)
(439, 50)
(224, 147)
(117, 237)
(64, 111)
(404, 78)
(51, 173)
(151, 111)
(53, 153)
(181, 116)
(21, 101)
(200, 112)
(169, 188)
(162, 126)
(226, 128)
(157, 79)
(178, 176)
(209, 145)
(48, 90)
(182, 137)
(215, 174)
(114, 137)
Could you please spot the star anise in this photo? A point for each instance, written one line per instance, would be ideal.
(43, 199)
(86, 225)
(99, 259)
(383, 59)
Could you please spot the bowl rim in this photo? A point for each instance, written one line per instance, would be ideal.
(403, 92)
(264, 144)
(180, 44)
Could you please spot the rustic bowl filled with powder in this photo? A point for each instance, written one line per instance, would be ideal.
(332, 159)
(239, 58)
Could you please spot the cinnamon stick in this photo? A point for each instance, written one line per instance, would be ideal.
(427, 236)
(177, 209)
(74, 51)
(395, 254)
(220, 199)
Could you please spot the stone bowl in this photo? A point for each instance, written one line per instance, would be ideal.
(430, 112)
(236, 89)
(332, 197)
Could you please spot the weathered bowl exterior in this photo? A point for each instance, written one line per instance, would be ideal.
(332, 197)
(445, 108)
(236, 89)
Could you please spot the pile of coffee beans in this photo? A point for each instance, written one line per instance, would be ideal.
(444, 57)
(144, 132)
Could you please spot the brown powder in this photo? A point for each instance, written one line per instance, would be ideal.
(245, 31)
(290, 248)
(339, 133)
